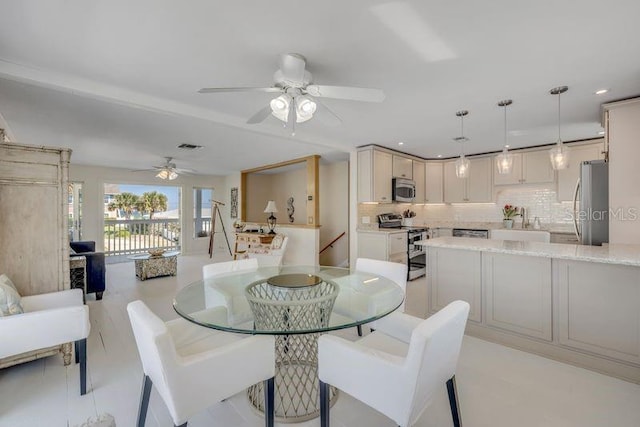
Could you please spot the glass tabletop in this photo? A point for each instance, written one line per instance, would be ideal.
(288, 300)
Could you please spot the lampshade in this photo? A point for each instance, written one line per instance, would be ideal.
(305, 107)
(271, 207)
(504, 161)
(167, 174)
(559, 155)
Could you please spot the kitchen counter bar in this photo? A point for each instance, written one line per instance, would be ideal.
(607, 254)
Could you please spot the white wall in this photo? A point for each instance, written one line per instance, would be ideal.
(93, 179)
(278, 187)
(334, 212)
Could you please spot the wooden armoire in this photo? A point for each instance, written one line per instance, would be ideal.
(34, 210)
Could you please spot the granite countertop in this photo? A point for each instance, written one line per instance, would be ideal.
(552, 228)
(607, 254)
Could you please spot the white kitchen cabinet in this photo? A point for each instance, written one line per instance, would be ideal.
(515, 301)
(434, 191)
(532, 167)
(622, 128)
(402, 167)
(374, 176)
(419, 178)
(449, 282)
(598, 306)
(385, 246)
(568, 177)
(475, 188)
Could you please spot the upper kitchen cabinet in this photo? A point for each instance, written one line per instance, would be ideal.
(402, 167)
(532, 167)
(476, 188)
(622, 131)
(434, 189)
(419, 178)
(374, 176)
(568, 177)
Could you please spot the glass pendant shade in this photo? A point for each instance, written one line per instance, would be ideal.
(462, 164)
(504, 161)
(559, 156)
(462, 167)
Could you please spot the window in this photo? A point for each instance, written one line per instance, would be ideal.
(202, 211)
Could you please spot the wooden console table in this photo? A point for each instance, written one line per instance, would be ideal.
(250, 239)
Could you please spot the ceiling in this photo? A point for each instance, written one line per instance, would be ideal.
(117, 81)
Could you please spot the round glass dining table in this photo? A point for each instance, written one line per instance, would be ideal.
(296, 304)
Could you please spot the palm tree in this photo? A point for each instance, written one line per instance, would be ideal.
(152, 202)
(126, 202)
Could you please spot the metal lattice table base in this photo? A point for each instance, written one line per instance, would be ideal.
(297, 396)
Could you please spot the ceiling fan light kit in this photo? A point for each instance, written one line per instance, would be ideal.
(504, 160)
(559, 155)
(462, 164)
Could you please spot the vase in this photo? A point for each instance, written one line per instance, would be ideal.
(508, 223)
(407, 222)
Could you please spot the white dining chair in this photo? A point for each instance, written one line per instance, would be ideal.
(212, 270)
(398, 368)
(391, 270)
(193, 367)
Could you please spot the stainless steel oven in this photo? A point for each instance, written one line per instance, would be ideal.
(416, 254)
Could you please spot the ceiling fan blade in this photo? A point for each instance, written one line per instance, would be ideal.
(260, 116)
(185, 171)
(346, 92)
(292, 66)
(142, 170)
(327, 116)
(240, 89)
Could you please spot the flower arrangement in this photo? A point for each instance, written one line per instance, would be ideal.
(510, 211)
(408, 213)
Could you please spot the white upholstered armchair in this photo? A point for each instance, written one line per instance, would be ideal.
(193, 367)
(51, 319)
(398, 368)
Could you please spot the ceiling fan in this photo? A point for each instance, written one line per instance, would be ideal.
(168, 170)
(298, 99)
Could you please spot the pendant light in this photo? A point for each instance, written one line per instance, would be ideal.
(462, 164)
(559, 155)
(504, 161)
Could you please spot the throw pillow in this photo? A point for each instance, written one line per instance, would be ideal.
(277, 241)
(9, 297)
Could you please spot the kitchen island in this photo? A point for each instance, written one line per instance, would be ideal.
(573, 303)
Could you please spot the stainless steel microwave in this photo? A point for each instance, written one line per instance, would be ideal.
(403, 190)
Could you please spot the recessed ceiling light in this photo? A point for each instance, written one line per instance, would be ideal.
(601, 91)
(439, 155)
(400, 143)
(601, 132)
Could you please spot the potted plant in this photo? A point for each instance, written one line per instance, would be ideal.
(407, 217)
(508, 213)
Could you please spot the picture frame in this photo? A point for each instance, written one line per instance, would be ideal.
(234, 202)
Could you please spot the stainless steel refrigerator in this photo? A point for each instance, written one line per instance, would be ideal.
(591, 203)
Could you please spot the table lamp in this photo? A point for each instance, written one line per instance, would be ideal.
(271, 221)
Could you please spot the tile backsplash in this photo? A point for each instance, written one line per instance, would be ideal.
(539, 201)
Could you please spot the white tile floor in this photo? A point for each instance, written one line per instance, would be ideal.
(498, 386)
